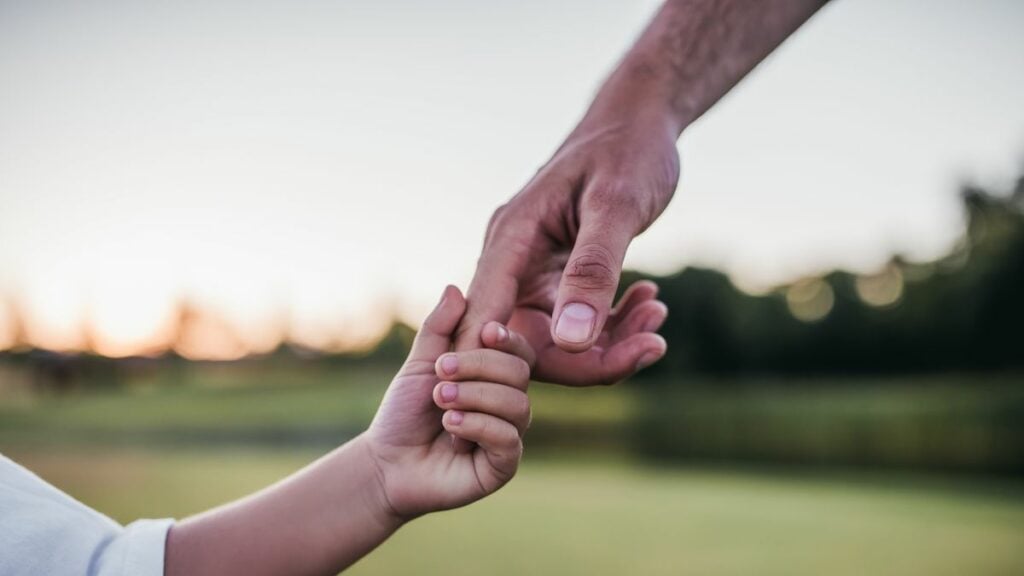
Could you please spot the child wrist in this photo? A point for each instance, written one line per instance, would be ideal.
(378, 503)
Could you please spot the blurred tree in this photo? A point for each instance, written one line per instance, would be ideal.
(963, 312)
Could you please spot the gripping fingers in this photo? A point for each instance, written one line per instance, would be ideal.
(498, 438)
(484, 364)
(505, 402)
(498, 337)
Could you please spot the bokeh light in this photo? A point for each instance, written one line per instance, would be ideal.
(810, 300)
(881, 290)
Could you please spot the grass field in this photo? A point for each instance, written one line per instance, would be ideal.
(161, 444)
(250, 405)
(614, 518)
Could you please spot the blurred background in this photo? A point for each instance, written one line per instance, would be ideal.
(220, 224)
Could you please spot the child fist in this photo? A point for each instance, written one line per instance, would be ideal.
(478, 396)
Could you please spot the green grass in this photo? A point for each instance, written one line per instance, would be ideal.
(173, 442)
(611, 517)
(950, 421)
(953, 422)
(252, 405)
(213, 396)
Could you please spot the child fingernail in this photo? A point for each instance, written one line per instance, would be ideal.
(455, 417)
(449, 364)
(502, 333)
(449, 392)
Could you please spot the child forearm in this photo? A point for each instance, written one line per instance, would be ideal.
(317, 521)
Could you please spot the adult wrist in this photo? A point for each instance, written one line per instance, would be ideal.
(641, 90)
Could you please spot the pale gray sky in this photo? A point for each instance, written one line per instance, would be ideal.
(337, 159)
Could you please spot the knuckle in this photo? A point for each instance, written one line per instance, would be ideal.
(509, 228)
(592, 268)
(497, 226)
(508, 468)
(522, 406)
(497, 216)
(484, 427)
(509, 436)
(505, 218)
(522, 373)
(613, 197)
(636, 200)
(480, 395)
(516, 453)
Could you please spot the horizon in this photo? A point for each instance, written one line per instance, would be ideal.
(319, 171)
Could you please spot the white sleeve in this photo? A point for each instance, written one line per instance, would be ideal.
(45, 531)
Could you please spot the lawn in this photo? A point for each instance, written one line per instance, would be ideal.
(246, 405)
(592, 517)
(172, 443)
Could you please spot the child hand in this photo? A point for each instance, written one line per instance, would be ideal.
(477, 395)
(329, 514)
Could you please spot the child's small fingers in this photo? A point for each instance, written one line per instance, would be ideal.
(486, 365)
(505, 402)
(498, 439)
(497, 336)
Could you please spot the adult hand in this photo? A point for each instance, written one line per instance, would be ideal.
(553, 254)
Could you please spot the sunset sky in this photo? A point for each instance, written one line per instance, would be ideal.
(309, 168)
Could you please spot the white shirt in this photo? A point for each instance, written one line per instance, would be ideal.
(45, 531)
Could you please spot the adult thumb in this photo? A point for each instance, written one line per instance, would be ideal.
(589, 282)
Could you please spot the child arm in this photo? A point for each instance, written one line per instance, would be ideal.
(328, 515)
(317, 521)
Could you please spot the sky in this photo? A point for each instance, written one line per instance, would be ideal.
(312, 169)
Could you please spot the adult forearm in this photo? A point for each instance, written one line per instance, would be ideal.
(693, 52)
(317, 521)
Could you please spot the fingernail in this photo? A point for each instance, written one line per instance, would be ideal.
(576, 324)
(502, 334)
(449, 392)
(652, 324)
(455, 417)
(646, 360)
(449, 364)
